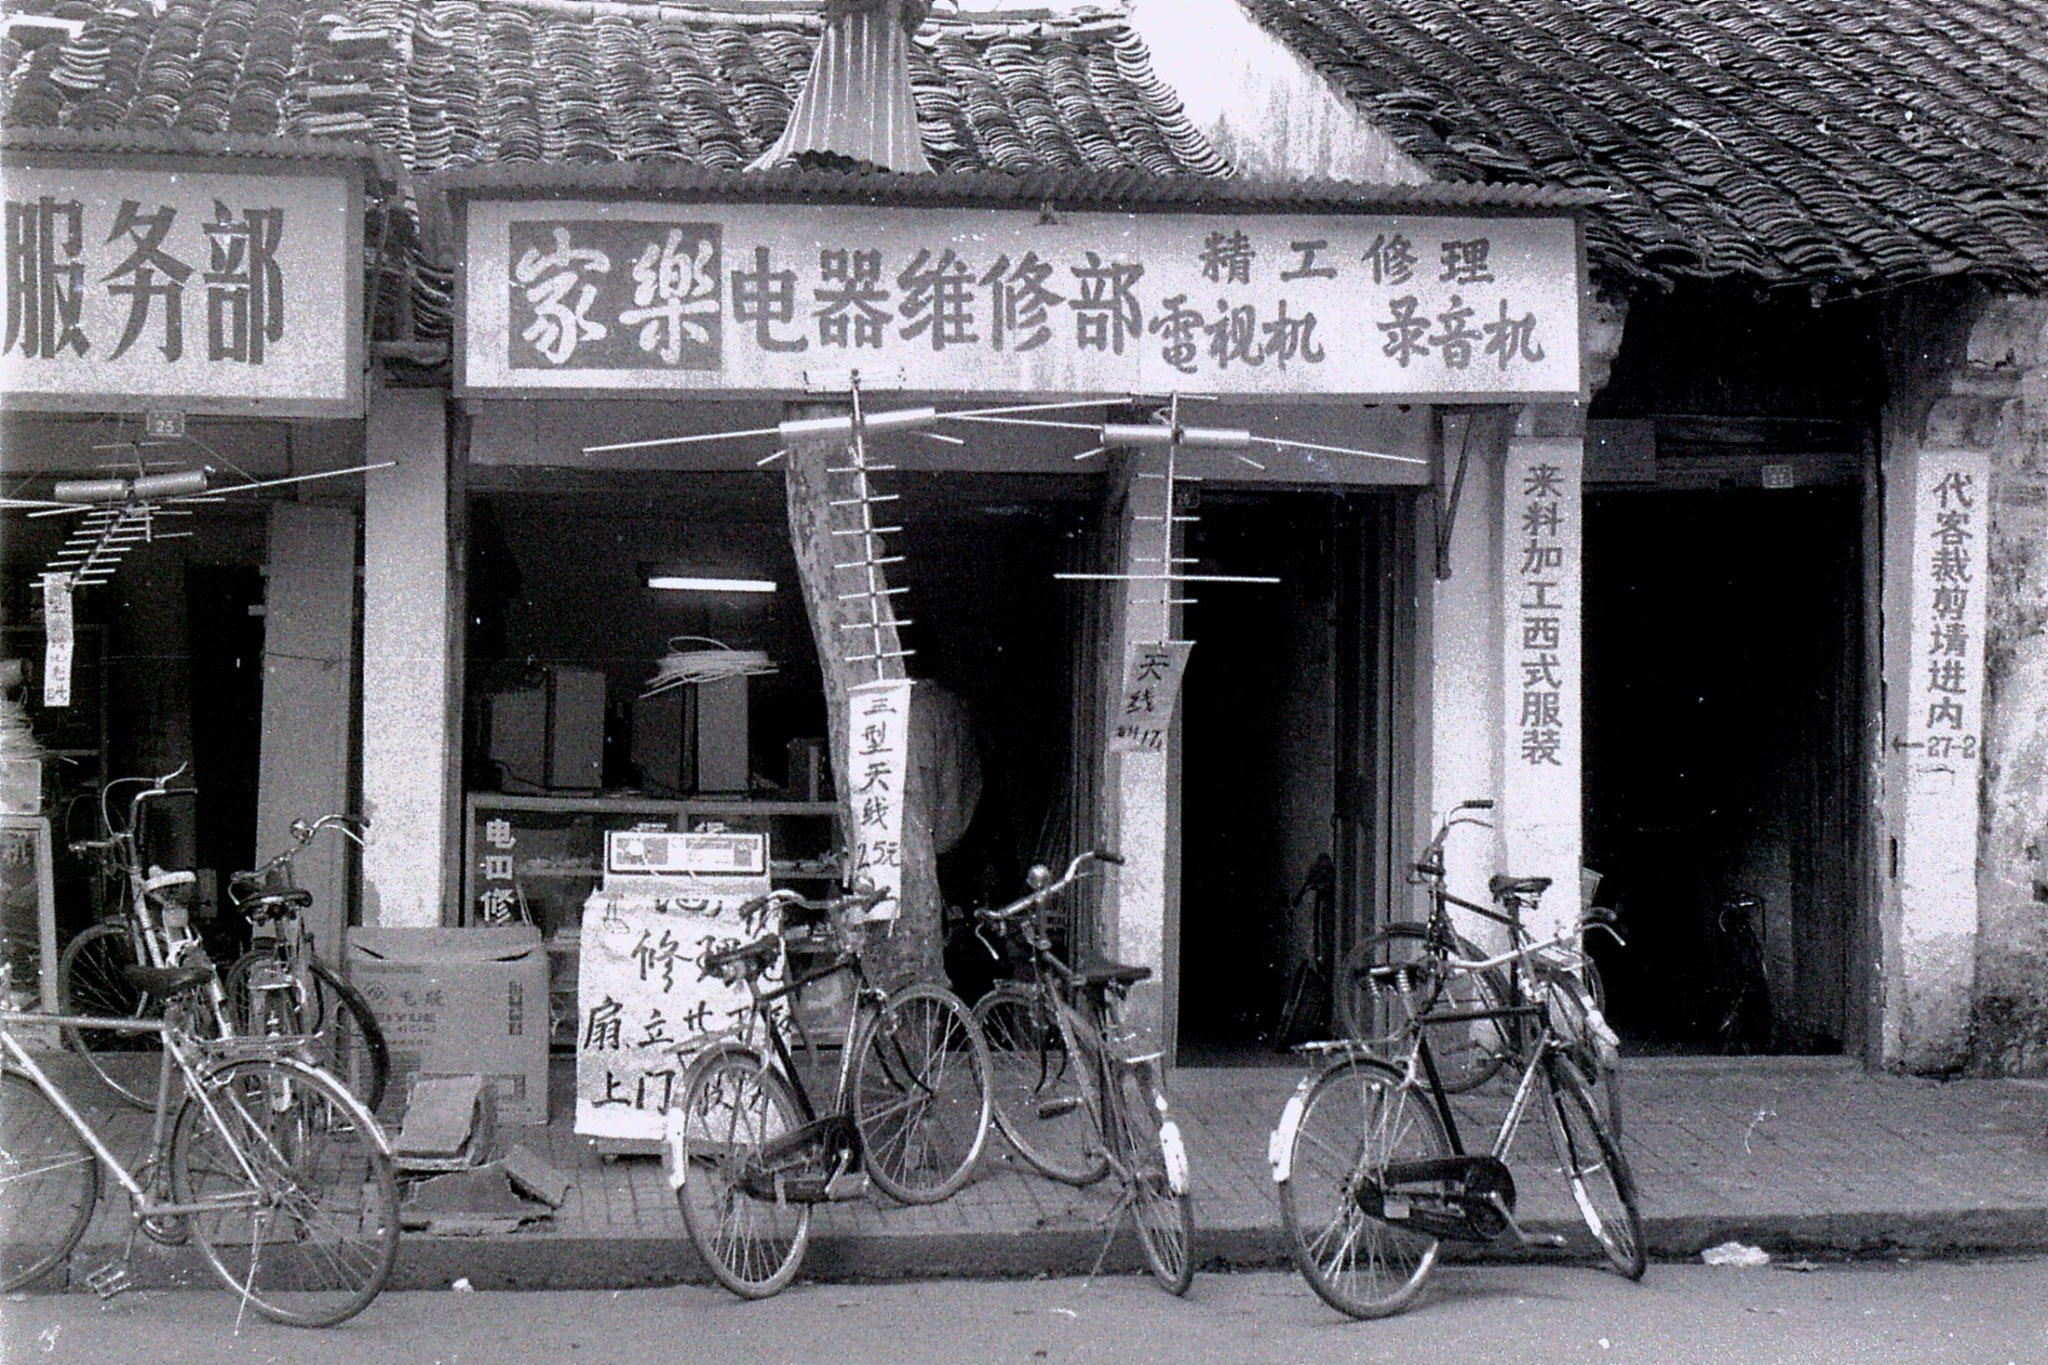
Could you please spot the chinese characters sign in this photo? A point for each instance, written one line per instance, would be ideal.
(577, 296)
(1144, 711)
(209, 292)
(877, 765)
(642, 990)
(1942, 743)
(1542, 686)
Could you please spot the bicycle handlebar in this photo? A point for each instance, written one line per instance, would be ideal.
(1006, 914)
(851, 902)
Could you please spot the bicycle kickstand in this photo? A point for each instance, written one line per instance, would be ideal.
(1550, 1240)
(1115, 1219)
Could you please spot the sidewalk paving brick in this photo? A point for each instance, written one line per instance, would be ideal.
(1799, 1155)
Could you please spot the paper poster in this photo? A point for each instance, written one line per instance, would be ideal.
(57, 639)
(878, 753)
(641, 985)
(1144, 708)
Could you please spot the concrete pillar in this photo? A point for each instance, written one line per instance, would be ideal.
(309, 618)
(1935, 583)
(411, 717)
(1142, 920)
(1542, 693)
(1465, 665)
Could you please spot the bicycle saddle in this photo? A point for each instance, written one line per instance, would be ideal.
(276, 903)
(164, 981)
(1502, 887)
(1103, 972)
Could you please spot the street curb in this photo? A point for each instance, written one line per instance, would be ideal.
(638, 1262)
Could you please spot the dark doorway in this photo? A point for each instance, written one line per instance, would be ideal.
(1723, 666)
(225, 633)
(1281, 737)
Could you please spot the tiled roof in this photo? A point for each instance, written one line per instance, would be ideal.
(447, 84)
(1829, 144)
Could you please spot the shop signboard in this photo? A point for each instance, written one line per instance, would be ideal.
(568, 296)
(667, 900)
(210, 286)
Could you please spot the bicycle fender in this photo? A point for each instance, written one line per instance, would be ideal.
(1175, 1153)
(675, 1147)
(1280, 1146)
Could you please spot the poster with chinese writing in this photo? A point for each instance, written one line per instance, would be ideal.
(59, 639)
(642, 989)
(1144, 708)
(1542, 680)
(202, 290)
(1942, 743)
(877, 766)
(570, 296)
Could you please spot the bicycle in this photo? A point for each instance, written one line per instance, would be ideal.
(749, 1153)
(1057, 1045)
(152, 929)
(281, 986)
(1739, 999)
(1371, 1167)
(278, 1174)
(1474, 1048)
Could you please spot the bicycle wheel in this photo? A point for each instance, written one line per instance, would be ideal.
(265, 1000)
(1154, 1166)
(1468, 1053)
(1038, 1099)
(312, 1238)
(921, 1094)
(49, 1183)
(732, 1105)
(1598, 1173)
(1336, 1136)
(90, 981)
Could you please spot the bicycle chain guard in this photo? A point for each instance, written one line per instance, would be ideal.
(1458, 1198)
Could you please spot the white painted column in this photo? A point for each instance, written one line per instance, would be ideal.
(309, 618)
(410, 761)
(1144, 786)
(1465, 673)
(1934, 656)
(1542, 693)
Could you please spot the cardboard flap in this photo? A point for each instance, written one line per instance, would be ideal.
(485, 943)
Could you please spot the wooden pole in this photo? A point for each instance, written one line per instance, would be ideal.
(838, 602)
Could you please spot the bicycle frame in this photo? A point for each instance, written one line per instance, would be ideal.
(177, 1053)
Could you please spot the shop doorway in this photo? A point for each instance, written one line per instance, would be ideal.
(1724, 712)
(1285, 764)
(224, 630)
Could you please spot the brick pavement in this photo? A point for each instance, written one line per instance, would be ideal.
(1807, 1155)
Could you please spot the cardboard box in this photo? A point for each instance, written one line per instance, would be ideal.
(460, 1002)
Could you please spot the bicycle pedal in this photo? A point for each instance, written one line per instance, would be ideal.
(846, 1185)
(1059, 1108)
(110, 1279)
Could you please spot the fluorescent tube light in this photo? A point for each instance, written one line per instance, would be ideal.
(688, 583)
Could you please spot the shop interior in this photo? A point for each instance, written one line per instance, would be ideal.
(168, 663)
(559, 564)
(1283, 711)
(1726, 673)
